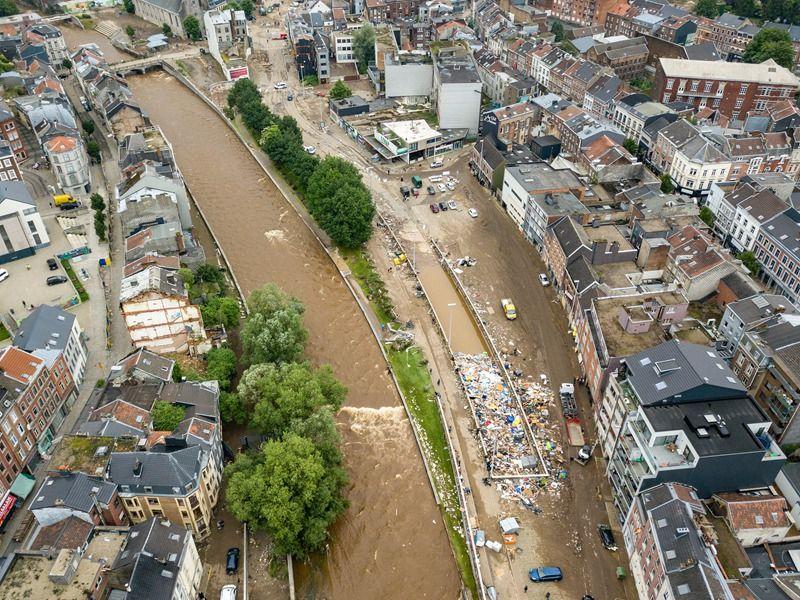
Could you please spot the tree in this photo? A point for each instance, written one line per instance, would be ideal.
(187, 275)
(7, 8)
(166, 416)
(129, 6)
(707, 8)
(177, 372)
(221, 366)
(130, 31)
(707, 216)
(339, 201)
(66, 63)
(97, 202)
(274, 330)
(88, 126)
(666, 184)
(288, 491)
(6, 66)
(242, 91)
(364, 46)
(750, 261)
(192, 28)
(781, 10)
(557, 29)
(277, 397)
(221, 311)
(770, 43)
(93, 150)
(166, 30)
(210, 274)
(231, 409)
(630, 145)
(100, 226)
(745, 8)
(339, 91)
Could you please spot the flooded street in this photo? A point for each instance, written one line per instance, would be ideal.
(390, 543)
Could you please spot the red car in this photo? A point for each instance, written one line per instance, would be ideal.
(434, 208)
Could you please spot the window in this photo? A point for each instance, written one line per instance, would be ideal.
(739, 102)
(707, 87)
(695, 84)
(743, 88)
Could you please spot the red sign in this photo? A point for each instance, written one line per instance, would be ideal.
(237, 73)
(6, 506)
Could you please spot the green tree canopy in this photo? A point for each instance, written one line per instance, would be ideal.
(274, 331)
(231, 409)
(221, 366)
(166, 416)
(93, 150)
(770, 43)
(279, 396)
(166, 30)
(220, 311)
(787, 11)
(630, 145)
(707, 216)
(707, 8)
(66, 63)
(97, 202)
(666, 184)
(745, 8)
(129, 6)
(750, 261)
(339, 201)
(288, 491)
(557, 29)
(7, 8)
(364, 46)
(339, 91)
(192, 28)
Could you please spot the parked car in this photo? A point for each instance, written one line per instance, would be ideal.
(232, 561)
(431, 190)
(56, 279)
(3, 274)
(442, 206)
(544, 280)
(607, 537)
(451, 204)
(310, 149)
(415, 191)
(473, 212)
(85, 103)
(280, 85)
(405, 191)
(434, 208)
(437, 164)
(52, 264)
(228, 592)
(442, 188)
(539, 574)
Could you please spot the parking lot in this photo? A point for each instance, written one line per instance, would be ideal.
(26, 286)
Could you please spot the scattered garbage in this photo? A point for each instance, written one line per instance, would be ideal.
(495, 546)
(509, 525)
(479, 537)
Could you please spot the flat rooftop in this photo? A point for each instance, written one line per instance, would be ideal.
(615, 275)
(28, 577)
(608, 233)
(88, 454)
(618, 341)
(413, 131)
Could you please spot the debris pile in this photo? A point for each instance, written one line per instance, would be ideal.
(509, 451)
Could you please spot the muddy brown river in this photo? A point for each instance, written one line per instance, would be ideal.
(391, 542)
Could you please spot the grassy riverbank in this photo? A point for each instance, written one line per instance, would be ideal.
(409, 367)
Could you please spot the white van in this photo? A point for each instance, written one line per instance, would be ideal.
(228, 592)
(435, 178)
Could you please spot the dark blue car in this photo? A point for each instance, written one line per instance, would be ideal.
(539, 574)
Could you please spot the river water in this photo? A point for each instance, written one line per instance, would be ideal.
(391, 542)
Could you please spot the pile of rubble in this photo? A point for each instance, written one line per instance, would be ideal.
(501, 430)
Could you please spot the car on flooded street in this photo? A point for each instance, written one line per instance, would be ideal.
(434, 208)
(540, 574)
(232, 561)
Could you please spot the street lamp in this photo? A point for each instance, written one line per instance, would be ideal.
(450, 307)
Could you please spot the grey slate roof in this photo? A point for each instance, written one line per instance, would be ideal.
(783, 229)
(72, 491)
(681, 372)
(704, 51)
(15, 190)
(109, 428)
(47, 327)
(570, 237)
(150, 559)
(605, 88)
(169, 472)
(173, 6)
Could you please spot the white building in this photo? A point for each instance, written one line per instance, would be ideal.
(158, 313)
(408, 77)
(690, 159)
(228, 41)
(52, 40)
(632, 118)
(22, 230)
(343, 46)
(70, 163)
(51, 328)
(407, 140)
(457, 93)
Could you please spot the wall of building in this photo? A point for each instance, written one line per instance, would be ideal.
(411, 80)
(459, 105)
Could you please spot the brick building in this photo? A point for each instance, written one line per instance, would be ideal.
(586, 12)
(36, 392)
(733, 89)
(10, 132)
(729, 33)
(626, 57)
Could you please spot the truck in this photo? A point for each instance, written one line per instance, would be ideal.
(416, 181)
(60, 199)
(508, 308)
(568, 406)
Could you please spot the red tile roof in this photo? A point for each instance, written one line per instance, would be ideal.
(19, 365)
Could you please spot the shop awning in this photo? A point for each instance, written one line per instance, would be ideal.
(23, 485)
